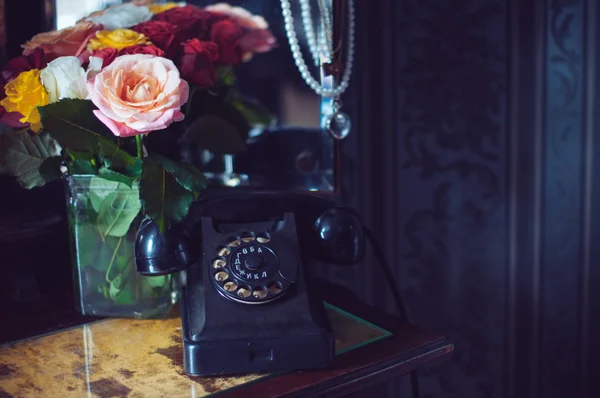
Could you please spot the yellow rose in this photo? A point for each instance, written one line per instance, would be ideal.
(24, 94)
(158, 8)
(117, 39)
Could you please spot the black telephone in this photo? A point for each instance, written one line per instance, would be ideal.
(245, 302)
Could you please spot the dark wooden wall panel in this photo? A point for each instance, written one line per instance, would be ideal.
(475, 158)
(589, 305)
(561, 197)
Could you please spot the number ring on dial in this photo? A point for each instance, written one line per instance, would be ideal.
(247, 271)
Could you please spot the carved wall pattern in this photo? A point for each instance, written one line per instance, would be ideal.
(471, 153)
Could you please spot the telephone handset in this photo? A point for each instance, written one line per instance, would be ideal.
(246, 304)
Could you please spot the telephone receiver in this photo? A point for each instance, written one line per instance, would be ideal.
(328, 231)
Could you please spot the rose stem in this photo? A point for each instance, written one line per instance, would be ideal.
(112, 260)
(138, 141)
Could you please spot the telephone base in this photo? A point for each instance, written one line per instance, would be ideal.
(212, 358)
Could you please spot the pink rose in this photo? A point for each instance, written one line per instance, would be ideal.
(240, 15)
(257, 37)
(67, 41)
(138, 93)
(256, 41)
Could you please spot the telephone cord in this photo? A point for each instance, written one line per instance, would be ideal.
(399, 301)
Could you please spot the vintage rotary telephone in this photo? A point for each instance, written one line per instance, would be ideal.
(246, 303)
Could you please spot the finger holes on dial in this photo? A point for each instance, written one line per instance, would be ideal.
(259, 293)
(243, 292)
(275, 288)
(219, 263)
(221, 276)
(230, 286)
(234, 241)
(248, 237)
(224, 251)
(263, 237)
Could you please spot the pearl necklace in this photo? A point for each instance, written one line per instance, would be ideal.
(324, 48)
(338, 123)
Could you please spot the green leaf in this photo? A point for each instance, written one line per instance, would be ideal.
(117, 212)
(125, 297)
(50, 168)
(113, 291)
(107, 182)
(81, 155)
(220, 128)
(163, 199)
(146, 290)
(215, 134)
(105, 252)
(22, 156)
(253, 111)
(72, 123)
(99, 189)
(111, 175)
(88, 241)
(125, 256)
(157, 281)
(80, 166)
(128, 144)
(119, 159)
(115, 286)
(188, 176)
(120, 290)
(225, 75)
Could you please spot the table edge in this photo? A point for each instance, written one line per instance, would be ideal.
(432, 352)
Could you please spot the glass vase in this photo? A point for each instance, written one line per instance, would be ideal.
(103, 219)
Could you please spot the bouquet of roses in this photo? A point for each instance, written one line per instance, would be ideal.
(115, 93)
(113, 101)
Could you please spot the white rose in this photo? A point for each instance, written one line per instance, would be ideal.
(65, 78)
(122, 16)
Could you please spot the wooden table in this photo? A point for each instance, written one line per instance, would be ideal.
(135, 358)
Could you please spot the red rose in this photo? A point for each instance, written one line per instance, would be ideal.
(23, 63)
(35, 60)
(142, 49)
(160, 33)
(10, 119)
(108, 55)
(191, 21)
(194, 46)
(197, 62)
(227, 34)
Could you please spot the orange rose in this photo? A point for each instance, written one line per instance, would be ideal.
(67, 41)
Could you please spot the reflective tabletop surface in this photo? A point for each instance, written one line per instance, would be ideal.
(132, 358)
